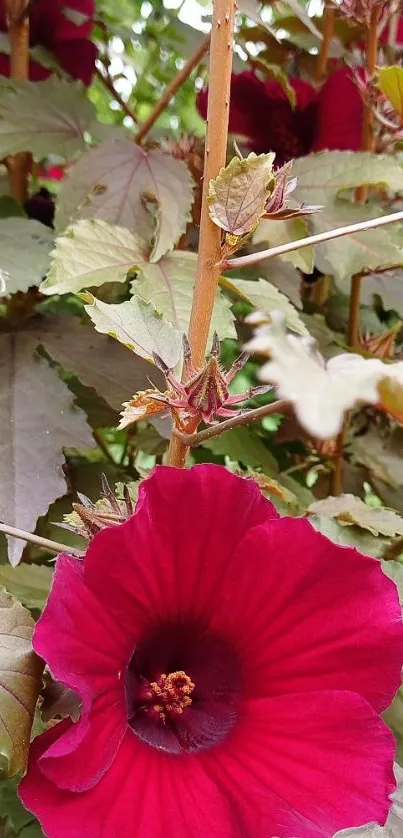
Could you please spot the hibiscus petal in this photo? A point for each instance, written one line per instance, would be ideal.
(167, 560)
(307, 614)
(296, 765)
(144, 793)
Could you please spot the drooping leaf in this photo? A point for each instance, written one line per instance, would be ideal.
(382, 457)
(20, 677)
(97, 360)
(38, 419)
(149, 192)
(348, 510)
(59, 702)
(321, 179)
(138, 325)
(244, 446)
(284, 276)
(169, 285)
(265, 297)
(274, 233)
(388, 285)
(390, 81)
(29, 583)
(46, 117)
(277, 74)
(93, 252)
(25, 245)
(237, 197)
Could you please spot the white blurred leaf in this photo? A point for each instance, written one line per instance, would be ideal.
(266, 297)
(25, 245)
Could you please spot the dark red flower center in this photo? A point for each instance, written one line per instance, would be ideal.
(183, 688)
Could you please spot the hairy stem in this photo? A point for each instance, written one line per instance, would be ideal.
(53, 546)
(208, 268)
(18, 32)
(170, 91)
(245, 418)
(328, 30)
(360, 227)
(106, 80)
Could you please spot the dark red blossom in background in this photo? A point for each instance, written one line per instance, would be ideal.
(63, 27)
(231, 666)
(260, 112)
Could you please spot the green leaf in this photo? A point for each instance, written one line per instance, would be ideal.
(138, 325)
(352, 536)
(93, 252)
(25, 245)
(149, 192)
(348, 510)
(38, 419)
(390, 81)
(321, 178)
(388, 285)
(46, 117)
(277, 74)
(243, 445)
(29, 583)
(169, 285)
(18, 821)
(382, 457)
(237, 197)
(20, 679)
(265, 297)
(274, 233)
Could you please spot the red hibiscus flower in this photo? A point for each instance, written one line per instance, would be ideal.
(231, 665)
(261, 112)
(63, 27)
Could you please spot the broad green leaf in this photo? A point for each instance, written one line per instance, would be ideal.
(382, 457)
(274, 233)
(390, 81)
(149, 192)
(169, 285)
(46, 117)
(138, 325)
(277, 74)
(237, 197)
(38, 419)
(348, 510)
(25, 246)
(20, 679)
(387, 285)
(265, 297)
(97, 360)
(352, 536)
(321, 179)
(243, 445)
(284, 276)
(93, 252)
(29, 583)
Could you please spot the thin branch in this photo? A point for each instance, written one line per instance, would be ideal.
(106, 80)
(329, 21)
(208, 268)
(240, 419)
(170, 91)
(360, 227)
(18, 32)
(53, 546)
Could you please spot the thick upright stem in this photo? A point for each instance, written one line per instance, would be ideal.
(208, 270)
(170, 91)
(18, 30)
(328, 30)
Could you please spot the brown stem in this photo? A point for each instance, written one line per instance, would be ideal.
(241, 419)
(336, 477)
(353, 330)
(18, 32)
(106, 80)
(54, 546)
(329, 21)
(208, 268)
(170, 91)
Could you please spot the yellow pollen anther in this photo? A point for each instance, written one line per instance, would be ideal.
(173, 693)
